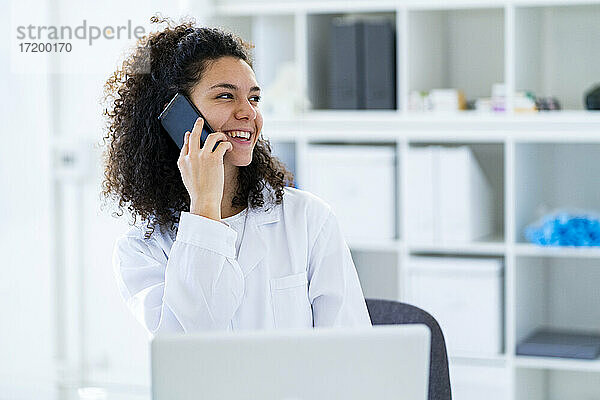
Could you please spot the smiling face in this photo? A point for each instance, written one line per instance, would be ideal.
(228, 96)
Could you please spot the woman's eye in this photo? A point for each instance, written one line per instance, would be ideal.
(230, 96)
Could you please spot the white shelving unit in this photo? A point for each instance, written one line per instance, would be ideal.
(532, 160)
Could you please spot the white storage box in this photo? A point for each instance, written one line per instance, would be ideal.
(465, 296)
(422, 208)
(359, 182)
(450, 199)
(466, 197)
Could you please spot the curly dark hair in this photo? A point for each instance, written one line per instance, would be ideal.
(140, 160)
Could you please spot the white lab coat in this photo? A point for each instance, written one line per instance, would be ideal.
(294, 270)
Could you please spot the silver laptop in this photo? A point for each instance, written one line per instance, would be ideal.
(382, 362)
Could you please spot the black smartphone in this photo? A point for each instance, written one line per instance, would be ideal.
(179, 116)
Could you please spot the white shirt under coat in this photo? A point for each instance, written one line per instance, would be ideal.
(293, 270)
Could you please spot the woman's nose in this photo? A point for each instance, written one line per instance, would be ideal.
(245, 110)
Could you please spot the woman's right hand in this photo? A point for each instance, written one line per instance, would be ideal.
(202, 170)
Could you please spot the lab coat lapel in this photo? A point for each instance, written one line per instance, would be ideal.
(254, 243)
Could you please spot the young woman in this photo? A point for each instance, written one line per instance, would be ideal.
(236, 248)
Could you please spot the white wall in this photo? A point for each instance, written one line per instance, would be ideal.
(61, 306)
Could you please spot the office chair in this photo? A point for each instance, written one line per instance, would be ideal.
(385, 312)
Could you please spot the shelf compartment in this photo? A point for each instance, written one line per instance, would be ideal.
(489, 158)
(557, 293)
(552, 176)
(444, 52)
(556, 51)
(319, 53)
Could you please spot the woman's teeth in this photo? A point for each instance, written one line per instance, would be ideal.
(239, 134)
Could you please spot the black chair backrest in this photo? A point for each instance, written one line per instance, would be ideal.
(385, 312)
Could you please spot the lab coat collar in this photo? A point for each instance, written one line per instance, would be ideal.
(254, 245)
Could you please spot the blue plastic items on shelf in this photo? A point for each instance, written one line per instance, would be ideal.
(565, 229)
